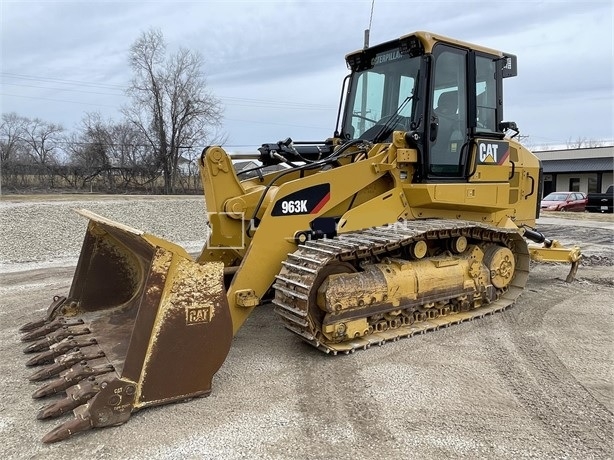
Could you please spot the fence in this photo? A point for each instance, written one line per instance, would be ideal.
(35, 178)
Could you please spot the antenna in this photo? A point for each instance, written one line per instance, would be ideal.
(368, 31)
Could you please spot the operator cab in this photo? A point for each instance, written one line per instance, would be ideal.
(444, 93)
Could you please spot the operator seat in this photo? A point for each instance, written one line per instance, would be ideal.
(446, 149)
(447, 104)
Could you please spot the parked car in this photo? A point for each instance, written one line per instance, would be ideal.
(601, 202)
(564, 201)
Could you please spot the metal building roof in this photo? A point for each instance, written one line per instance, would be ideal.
(602, 164)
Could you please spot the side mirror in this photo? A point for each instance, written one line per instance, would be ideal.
(509, 126)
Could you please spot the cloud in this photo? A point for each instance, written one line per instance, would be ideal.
(57, 57)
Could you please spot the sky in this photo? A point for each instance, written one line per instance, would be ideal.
(277, 66)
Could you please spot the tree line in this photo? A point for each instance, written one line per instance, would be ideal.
(152, 149)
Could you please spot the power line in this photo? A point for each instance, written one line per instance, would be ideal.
(106, 144)
(62, 81)
(275, 123)
(58, 100)
(247, 103)
(60, 89)
(229, 100)
(281, 103)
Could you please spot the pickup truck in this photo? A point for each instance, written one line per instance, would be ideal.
(601, 202)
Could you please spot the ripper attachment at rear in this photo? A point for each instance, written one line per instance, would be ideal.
(142, 325)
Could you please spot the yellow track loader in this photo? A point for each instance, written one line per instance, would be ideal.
(413, 216)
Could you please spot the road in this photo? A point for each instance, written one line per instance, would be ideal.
(535, 381)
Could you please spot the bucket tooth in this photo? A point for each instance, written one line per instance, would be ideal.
(110, 402)
(76, 395)
(58, 408)
(55, 337)
(50, 327)
(32, 325)
(63, 362)
(71, 377)
(57, 349)
(67, 429)
(38, 346)
(57, 302)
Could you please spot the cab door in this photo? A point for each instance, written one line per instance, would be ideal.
(489, 152)
(447, 127)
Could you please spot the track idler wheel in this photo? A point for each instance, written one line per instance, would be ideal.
(500, 262)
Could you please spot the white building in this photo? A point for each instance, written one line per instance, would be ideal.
(585, 170)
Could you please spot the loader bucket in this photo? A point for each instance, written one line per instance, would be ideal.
(142, 325)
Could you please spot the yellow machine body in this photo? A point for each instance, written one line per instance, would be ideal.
(411, 217)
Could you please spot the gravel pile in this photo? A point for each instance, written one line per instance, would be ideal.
(48, 233)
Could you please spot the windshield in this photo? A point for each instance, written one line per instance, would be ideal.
(380, 95)
(556, 197)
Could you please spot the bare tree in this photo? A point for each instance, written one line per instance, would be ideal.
(41, 138)
(131, 156)
(76, 171)
(12, 128)
(169, 101)
(99, 145)
(583, 142)
(115, 155)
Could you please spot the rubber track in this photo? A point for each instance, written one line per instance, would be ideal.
(300, 270)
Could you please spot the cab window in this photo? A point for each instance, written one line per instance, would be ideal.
(367, 109)
(381, 94)
(486, 94)
(448, 127)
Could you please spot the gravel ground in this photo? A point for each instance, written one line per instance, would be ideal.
(535, 381)
(54, 231)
